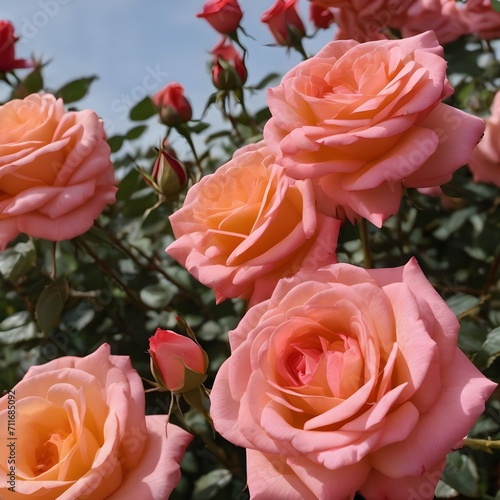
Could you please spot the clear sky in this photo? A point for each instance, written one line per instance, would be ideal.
(138, 46)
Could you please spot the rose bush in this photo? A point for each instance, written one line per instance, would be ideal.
(81, 433)
(364, 120)
(56, 175)
(485, 159)
(345, 380)
(247, 225)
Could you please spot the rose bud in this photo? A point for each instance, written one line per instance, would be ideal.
(169, 173)
(229, 71)
(223, 15)
(284, 22)
(8, 60)
(178, 363)
(320, 16)
(172, 105)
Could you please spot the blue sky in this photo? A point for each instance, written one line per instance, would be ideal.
(138, 46)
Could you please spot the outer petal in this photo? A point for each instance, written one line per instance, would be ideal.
(158, 471)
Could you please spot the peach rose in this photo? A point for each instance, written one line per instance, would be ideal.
(344, 381)
(485, 159)
(77, 429)
(247, 225)
(56, 175)
(363, 120)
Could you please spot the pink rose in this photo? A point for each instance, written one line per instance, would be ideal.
(366, 20)
(481, 19)
(178, 363)
(247, 225)
(56, 175)
(223, 15)
(173, 106)
(81, 432)
(441, 16)
(363, 120)
(284, 22)
(344, 381)
(485, 159)
(8, 60)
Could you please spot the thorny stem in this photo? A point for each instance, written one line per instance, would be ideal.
(114, 275)
(153, 266)
(482, 444)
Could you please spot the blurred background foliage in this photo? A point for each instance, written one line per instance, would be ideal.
(115, 284)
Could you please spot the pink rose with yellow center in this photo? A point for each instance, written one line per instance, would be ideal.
(365, 120)
(56, 175)
(80, 432)
(247, 225)
(348, 380)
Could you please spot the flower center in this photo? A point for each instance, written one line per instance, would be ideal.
(47, 454)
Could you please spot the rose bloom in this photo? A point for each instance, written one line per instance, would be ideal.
(81, 432)
(441, 16)
(481, 18)
(364, 120)
(247, 225)
(485, 159)
(365, 20)
(173, 106)
(178, 363)
(223, 15)
(56, 175)
(344, 381)
(320, 16)
(8, 60)
(284, 22)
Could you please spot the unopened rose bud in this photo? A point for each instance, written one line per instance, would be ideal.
(169, 174)
(172, 105)
(229, 71)
(285, 23)
(178, 363)
(223, 15)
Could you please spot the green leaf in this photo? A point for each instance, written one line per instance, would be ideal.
(490, 350)
(50, 305)
(158, 295)
(143, 110)
(496, 5)
(266, 81)
(199, 127)
(136, 132)
(116, 142)
(461, 474)
(445, 491)
(76, 89)
(15, 262)
(18, 327)
(463, 304)
(210, 484)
